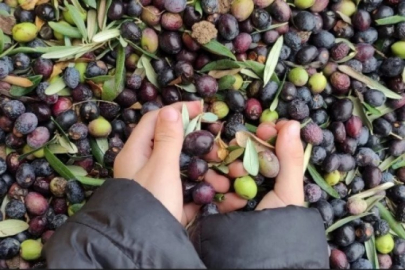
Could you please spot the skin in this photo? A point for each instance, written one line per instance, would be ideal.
(157, 140)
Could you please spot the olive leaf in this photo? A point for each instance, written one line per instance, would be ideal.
(250, 127)
(106, 35)
(350, 44)
(209, 117)
(77, 170)
(220, 65)
(371, 109)
(77, 19)
(390, 20)
(344, 17)
(251, 158)
(185, 116)
(242, 137)
(56, 148)
(12, 227)
(74, 208)
(221, 168)
(136, 47)
(372, 201)
(90, 3)
(197, 7)
(386, 163)
(92, 26)
(344, 221)
(218, 74)
(99, 79)
(318, 179)
(307, 155)
(350, 176)
(64, 52)
(68, 145)
(272, 60)
(192, 125)
(256, 67)
(371, 252)
(150, 72)
(1, 41)
(120, 71)
(97, 151)
(373, 191)
(358, 110)
(65, 29)
(273, 26)
(234, 155)
(226, 82)
(188, 88)
(346, 58)
(369, 82)
(4, 203)
(394, 225)
(249, 73)
(55, 86)
(18, 91)
(274, 104)
(217, 48)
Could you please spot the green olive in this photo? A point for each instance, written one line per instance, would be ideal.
(298, 76)
(99, 128)
(220, 109)
(24, 32)
(242, 9)
(268, 116)
(398, 49)
(332, 178)
(238, 82)
(149, 40)
(384, 244)
(30, 250)
(317, 83)
(304, 4)
(245, 187)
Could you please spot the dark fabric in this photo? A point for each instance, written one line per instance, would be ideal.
(290, 237)
(124, 226)
(121, 226)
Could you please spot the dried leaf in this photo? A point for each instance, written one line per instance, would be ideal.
(7, 23)
(12, 227)
(251, 158)
(217, 74)
(272, 60)
(58, 68)
(19, 91)
(344, 17)
(369, 82)
(242, 137)
(18, 81)
(136, 106)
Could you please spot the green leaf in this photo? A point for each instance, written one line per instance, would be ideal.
(350, 176)
(106, 35)
(221, 168)
(249, 73)
(256, 67)
(307, 155)
(346, 58)
(372, 201)
(274, 104)
(217, 48)
(91, 3)
(344, 221)
(198, 7)
(74, 208)
(77, 170)
(77, 19)
(136, 47)
(120, 70)
(100, 79)
(64, 52)
(90, 181)
(386, 163)
(55, 86)
(358, 110)
(192, 125)
(109, 92)
(350, 44)
(55, 4)
(220, 65)
(226, 82)
(92, 26)
(394, 225)
(234, 154)
(18, 91)
(369, 82)
(96, 151)
(12, 227)
(150, 72)
(390, 20)
(65, 29)
(272, 60)
(1, 41)
(321, 182)
(273, 26)
(209, 117)
(4, 203)
(344, 17)
(251, 127)
(371, 109)
(188, 88)
(373, 191)
(185, 116)
(371, 252)
(58, 165)
(251, 159)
